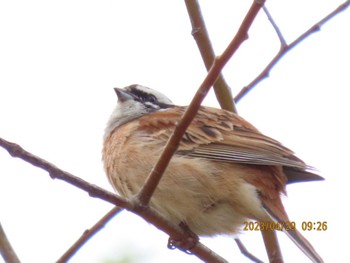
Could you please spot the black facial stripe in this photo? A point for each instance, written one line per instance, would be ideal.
(149, 100)
(139, 94)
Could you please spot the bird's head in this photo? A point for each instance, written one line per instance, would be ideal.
(135, 101)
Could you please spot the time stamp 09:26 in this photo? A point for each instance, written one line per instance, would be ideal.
(287, 226)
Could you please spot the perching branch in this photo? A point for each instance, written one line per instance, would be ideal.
(55, 173)
(147, 213)
(285, 48)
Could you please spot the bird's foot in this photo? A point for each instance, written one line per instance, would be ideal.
(185, 244)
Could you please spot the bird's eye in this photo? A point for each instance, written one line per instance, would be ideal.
(152, 99)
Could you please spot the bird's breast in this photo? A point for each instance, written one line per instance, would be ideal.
(210, 197)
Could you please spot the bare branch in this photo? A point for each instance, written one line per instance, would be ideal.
(246, 253)
(6, 250)
(214, 72)
(88, 234)
(273, 23)
(147, 213)
(55, 173)
(272, 247)
(200, 34)
(285, 49)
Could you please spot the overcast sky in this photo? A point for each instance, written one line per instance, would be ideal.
(59, 62)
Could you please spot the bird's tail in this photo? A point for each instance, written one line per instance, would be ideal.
(297, 238)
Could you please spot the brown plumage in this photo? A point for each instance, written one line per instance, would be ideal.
(225, 171)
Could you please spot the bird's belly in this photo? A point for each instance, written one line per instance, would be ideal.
(195, 192)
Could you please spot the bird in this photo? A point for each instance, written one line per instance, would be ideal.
(224, 172)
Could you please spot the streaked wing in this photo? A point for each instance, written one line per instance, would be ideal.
(224, 136)
(239, 154)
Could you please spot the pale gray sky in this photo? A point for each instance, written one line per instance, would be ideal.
(59, 61)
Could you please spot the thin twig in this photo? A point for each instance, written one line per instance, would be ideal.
(173, 142)
(265, 72)
(147, 213)
(246, 253)
(274, 25)
(201, 36)
(6, 250)
(88, 234)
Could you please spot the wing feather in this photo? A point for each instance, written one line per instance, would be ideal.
(224, 136)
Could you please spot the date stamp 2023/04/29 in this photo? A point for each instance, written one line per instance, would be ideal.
(287, 226)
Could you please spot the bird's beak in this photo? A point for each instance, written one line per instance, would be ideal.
(123, 95)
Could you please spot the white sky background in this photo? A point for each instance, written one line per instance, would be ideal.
(59, 61)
